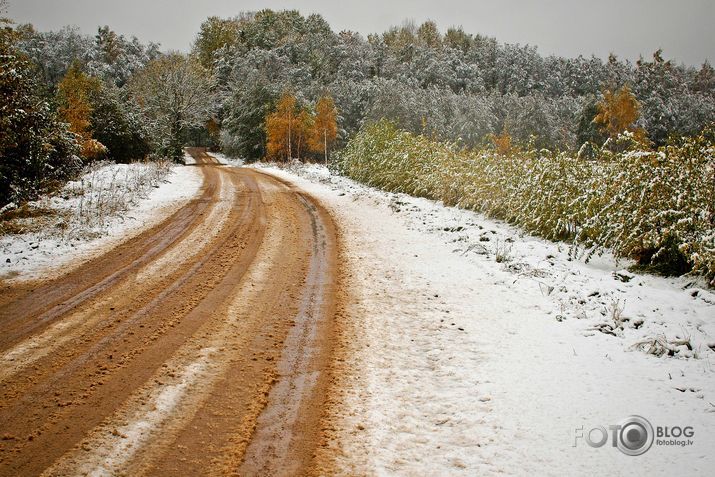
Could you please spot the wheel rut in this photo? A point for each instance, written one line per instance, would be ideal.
(198, 347)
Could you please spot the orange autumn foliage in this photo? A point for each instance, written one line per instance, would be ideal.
(74, 93)
(502, 142)
(302, 131)
(280, 126)
(291, 130)
(618, 112)
(325, 129)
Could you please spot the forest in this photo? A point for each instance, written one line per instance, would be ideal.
(278, 85)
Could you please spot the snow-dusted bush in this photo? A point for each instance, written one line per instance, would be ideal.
(87, 207)
(105, 191)
(36, 150)
(657, 207)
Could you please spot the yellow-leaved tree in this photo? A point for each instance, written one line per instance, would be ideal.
(325, 128)
(280, 126)
(502, 142)
(618, 112)
(302, 131)
(74, 94)
(292, 129)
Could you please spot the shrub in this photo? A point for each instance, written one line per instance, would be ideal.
(657, 207)
(36, 150)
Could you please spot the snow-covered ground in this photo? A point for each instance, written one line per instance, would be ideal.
(228, 161)
(188, 159)
(106, 206)
(476, 349)
(472, 348)
(222, 159)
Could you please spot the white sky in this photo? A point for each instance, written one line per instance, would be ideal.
(683, 28)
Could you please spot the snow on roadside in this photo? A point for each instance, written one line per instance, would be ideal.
(221, 158)
(101, 209)
(477, 349)
(189, 159)
(225, 160)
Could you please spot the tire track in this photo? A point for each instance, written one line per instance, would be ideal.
(101, 369)
(284, 438)
(44, 302)
(188, 368)
(167, 263)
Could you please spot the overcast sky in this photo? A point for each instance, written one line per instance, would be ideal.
(683, 28)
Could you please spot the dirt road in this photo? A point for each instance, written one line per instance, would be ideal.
(199, 347)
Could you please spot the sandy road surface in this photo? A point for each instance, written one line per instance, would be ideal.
(199, 347)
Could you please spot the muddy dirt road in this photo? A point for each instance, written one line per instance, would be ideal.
(196, 348)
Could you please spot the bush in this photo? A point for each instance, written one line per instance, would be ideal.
(657, 207)
(118, 126)
(36, 151)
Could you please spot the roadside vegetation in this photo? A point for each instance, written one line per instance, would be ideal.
(656, 207)
(83, 208)
(69, 100)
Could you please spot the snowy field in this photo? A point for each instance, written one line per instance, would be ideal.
(107, 205)
(475, 349)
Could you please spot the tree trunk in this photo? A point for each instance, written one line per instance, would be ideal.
(290, 151)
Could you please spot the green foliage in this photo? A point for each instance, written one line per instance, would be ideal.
(244, 132)
(119, 126)
(215, 33)
(657, 207)
(588, 130)
(35, 149)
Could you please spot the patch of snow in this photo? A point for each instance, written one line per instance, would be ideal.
(95, 213)
(188, 159)
(225, 160)
(483, 350)
(116, 453)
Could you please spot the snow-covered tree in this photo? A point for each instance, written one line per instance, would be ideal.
(107, 55)
(35, 149)
(119, 125)
(174, 93)
(215, 34)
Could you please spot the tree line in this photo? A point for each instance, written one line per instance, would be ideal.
(452, 86)
(279, 85)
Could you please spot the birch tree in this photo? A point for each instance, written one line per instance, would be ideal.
(325, 127)
(280, 128)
